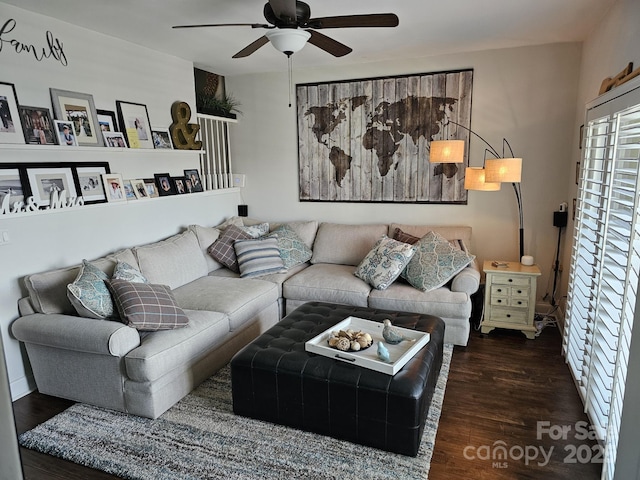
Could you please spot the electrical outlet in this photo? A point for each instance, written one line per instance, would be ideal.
(4, 237)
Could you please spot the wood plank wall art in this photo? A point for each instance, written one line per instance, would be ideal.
(367, 140)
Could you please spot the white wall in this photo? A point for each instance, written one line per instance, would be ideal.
(110, 70)
(527, 95)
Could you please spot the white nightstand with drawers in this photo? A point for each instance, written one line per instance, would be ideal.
(510, 297)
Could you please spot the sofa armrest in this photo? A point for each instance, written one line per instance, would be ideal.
(76, 333)
(467, 280)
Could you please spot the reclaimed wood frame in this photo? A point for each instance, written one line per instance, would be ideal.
(367, 140)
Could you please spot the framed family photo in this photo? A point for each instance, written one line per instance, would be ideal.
(134, 123)
(66, 134)
(114, 139)
(79, 109)
(162, 138)
(43, 181)
(38, 126)
(11, 181)
(194, 178)
(114, 187)
(107, 120)
(165, 185)
(89, 176)
(151, 187)
(10, 126)
(139, 189)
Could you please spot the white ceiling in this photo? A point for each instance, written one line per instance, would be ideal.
(427, 27)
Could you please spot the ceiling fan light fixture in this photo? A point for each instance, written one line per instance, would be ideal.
(288, 40)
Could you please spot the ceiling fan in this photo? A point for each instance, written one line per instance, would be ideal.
(290, 27)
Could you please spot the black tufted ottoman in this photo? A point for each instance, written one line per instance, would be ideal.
(275, 379)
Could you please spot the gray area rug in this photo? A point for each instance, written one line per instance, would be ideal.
(201, 438)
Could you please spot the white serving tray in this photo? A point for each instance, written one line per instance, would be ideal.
(399, 354)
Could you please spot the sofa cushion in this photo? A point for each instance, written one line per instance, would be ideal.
(145, 306)
(293, 250)
(461, 233)
(384, 263)
(89, 294)
(48, 290)
(222, 249)
(276, 278)
(238, 298)
(163, 351)
(345, 244)
(435, 262)
(173, 262)
(440, 302)
(325, 282)
(258, 256)
(206, 236)
(124, 271)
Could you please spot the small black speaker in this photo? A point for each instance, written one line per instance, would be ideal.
(560, 219)
(243, 210)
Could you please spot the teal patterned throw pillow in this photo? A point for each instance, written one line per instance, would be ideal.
(384, 263)
(89, 294)
(293, 250)
(124, 271)
(435, 263)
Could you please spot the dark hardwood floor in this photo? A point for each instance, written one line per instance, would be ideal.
(500, 386)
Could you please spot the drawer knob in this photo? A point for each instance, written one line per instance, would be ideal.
(499, 301)
(508, 315)
(519, 291)
(511, 279)
(519, 302)
(499, 290)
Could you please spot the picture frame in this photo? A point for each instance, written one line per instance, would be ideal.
(134, 123)
(65, 132)
(114, 140)
(12, 182)
(114, 187)
(128, 190)
(37, 125)
(196, 182)
(162, 139)
(139, 189)
(151, 187)
(80, 109)
(44, 180)
(107, 120)
(164, 184)
(179, 186)
(10, 125)
(89, 181)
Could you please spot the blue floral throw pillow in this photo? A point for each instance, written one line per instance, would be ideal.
(385, 262)
(292, 249)
(89, 294)
(435, 263)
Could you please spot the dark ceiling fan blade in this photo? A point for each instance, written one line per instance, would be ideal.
(252, 25)
(252, 47)
(284, 9)
(349, 21)
(329, 45)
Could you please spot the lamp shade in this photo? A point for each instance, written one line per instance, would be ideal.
(446, 151)
(504, 170)
(474, 179)
(288, 40)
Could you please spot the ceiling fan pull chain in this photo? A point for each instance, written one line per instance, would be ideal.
(290, 62)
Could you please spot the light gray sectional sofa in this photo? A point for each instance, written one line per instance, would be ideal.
(113, 365)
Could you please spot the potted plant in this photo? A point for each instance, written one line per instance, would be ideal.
(224, 106)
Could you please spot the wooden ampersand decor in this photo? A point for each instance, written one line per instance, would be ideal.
(183, 133)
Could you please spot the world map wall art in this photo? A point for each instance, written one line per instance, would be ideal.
(367, 140)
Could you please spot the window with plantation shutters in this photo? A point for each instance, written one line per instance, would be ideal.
(605, 264)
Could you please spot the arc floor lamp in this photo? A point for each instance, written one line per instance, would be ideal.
(488, 178)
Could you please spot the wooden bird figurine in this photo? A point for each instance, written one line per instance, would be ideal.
(383, 353)
(392, 335)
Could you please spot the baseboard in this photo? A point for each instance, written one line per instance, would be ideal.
(22, 387)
